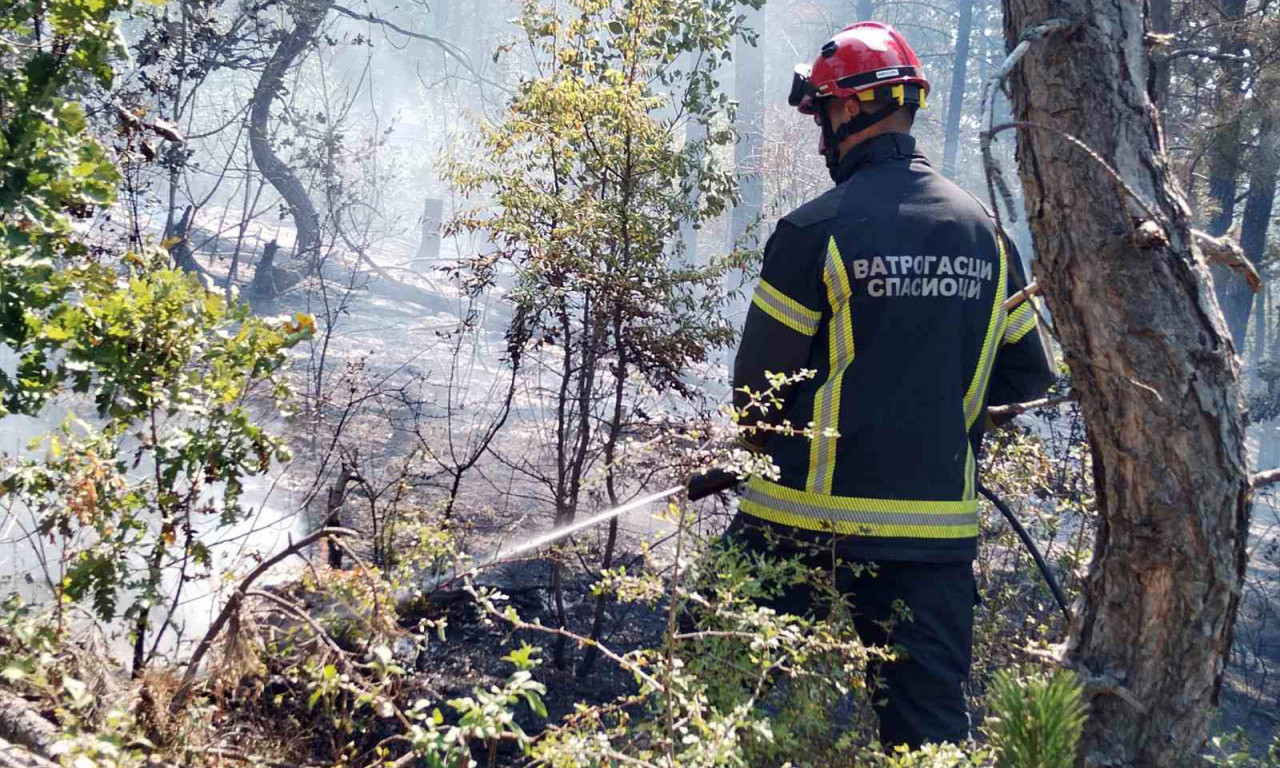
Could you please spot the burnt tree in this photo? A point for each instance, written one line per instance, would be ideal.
(307, 17)
(1158, 382)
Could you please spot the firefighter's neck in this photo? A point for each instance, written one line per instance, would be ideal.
(843, 110)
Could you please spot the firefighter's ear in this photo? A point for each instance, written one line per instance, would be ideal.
(852, 108)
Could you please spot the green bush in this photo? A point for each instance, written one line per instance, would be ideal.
(1035, 720)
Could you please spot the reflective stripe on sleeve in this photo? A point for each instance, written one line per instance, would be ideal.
(1021, 322)
(860, 516)
(977, 391)
(826, 403)
(785, 309)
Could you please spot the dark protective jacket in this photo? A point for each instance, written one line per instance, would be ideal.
(890, 287)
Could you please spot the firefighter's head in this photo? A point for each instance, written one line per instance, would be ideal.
(867, 80)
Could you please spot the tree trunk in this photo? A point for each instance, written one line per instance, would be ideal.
(1260, 327)
(748, 84)
(1160, 22)
(865, 10)
(1225, 147)
(1255, 223)
(694, 133)
(1226, 150)
(307, 16)
(429, 246)
(1157, 381)
(333, 511)
(955, 102)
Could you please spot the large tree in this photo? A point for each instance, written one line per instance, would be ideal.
(1150, 354)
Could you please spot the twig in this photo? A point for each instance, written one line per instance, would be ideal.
(444, 45)
(1115, 176)
(298, 613)
(235, 754)
(233, 605)
(989, 165)
(1015, 409)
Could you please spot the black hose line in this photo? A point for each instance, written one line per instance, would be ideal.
(1031, 547)
(716, 480)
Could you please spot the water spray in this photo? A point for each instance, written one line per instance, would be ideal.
(699, 487)
(714, 481)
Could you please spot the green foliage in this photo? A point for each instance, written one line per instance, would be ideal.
(51, 167)
(1036, 720)
(593, 180)
(1233, 750)
(171, 368)
(167, 361)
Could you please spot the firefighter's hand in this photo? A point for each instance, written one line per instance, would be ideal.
(712, 481)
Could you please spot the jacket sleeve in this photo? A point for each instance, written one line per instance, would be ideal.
(1024, 366)
(784, 316)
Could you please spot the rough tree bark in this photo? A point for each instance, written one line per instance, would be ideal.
(1157, 381)
(307, 16)
(955, 102)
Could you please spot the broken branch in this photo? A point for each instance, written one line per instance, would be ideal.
(1226, 251)
(1017, 409)
(234, 603)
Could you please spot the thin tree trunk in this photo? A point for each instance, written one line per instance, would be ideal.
(955, 102)
(1160, 22)
(1256, 221)
(307, 16)
(748, 85)
(694, 133)
(1226, 152)
(1260, 327)
(1158, 385)
(866, 8)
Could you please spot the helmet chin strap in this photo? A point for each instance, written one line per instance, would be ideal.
(833, 137)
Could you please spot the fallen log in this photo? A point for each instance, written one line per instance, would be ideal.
(15, 756)
(22, 725)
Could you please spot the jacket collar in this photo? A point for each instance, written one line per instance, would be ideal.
(885, 146)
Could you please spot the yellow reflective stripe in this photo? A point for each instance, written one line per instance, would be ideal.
(970, 470)
(860, 516)
(1021, 322)
(826, 403)
(785, 309)
(981, 375)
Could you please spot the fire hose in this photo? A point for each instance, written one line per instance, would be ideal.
(716, 481)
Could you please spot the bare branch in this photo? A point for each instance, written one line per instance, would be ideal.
(449, 48)
(1013, 301)
(1016, 409)
(1226, 250)
(1201, 53)
(233, 605)
(1264, 479)
(994, 176)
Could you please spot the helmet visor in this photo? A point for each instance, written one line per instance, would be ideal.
(803, 94)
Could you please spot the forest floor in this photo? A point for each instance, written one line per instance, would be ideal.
(1251, 693)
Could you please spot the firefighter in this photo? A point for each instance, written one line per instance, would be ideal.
(890, 286)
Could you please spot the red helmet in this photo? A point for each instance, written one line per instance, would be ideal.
(860, 60)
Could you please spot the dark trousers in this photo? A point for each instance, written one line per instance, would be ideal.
(921, 698)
